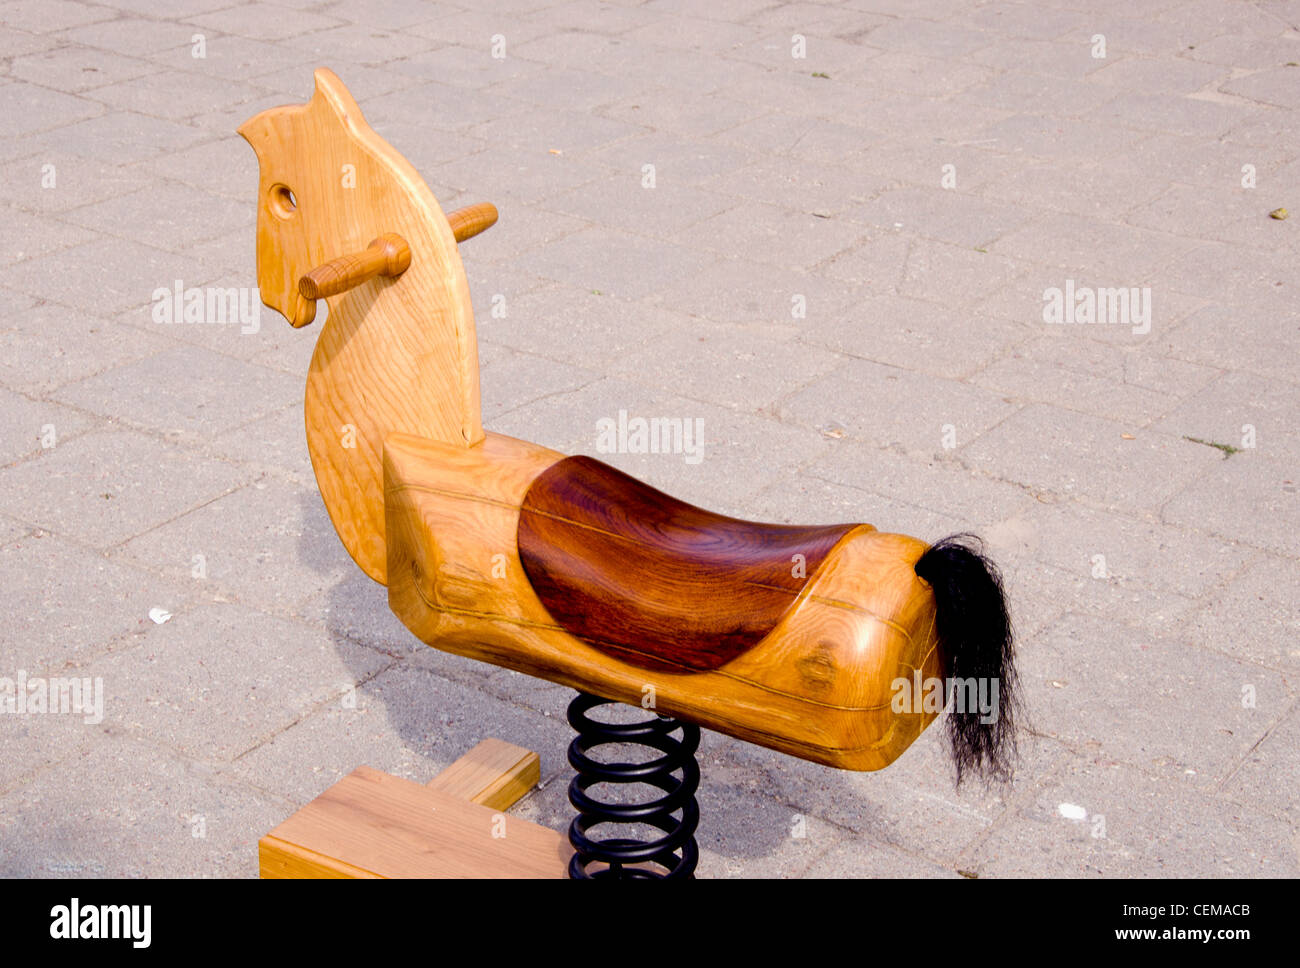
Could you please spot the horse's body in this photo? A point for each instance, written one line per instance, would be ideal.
(563, 568)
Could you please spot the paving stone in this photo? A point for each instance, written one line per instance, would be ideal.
(134, 36)
(124, 808)
(347, 43)
(30, 236)
(1242, 411)
(74, 69)
(912, 806)
(614, 263)
(259, 673)
(106, 486)
(226, 166)
(628, 202)
(28, 108)
(1057, 58)
(693, 115)
(1254, 501)
(1172, 75)
(1076, 455)
(184, 393)
(767, 233)
(850, 398)
(1254, 617)
(788, 133)
(518, 379)
(1132, 684)
(1029, 293)
(897, 70)
(1179, 115)
(235, 58)
(948, 273)
(926, 37)
(470, 28)
(1063, 97)
(404, 721)
(924, 481)
(288, 551)
(1103, 192)
(912, 334)
(1041, 377)
(944, 215)
(1246, 50)
(275, 443)
(264, 21)
(575, 326)
(1125, 252)
(44, 16)
(37, 741)
(1051, 137)
(804, 499)
(388, 14)
(1041, 594)
(1136, 825)
(66, 602)
(733, 366)
(73, 181)
(19, 43)
(1253, 784)
(1122, 550)
(1019, 21)
(364, 82)
(31, 427)
(175, 95)
(691, 33)
(115, 137)
(170, 214)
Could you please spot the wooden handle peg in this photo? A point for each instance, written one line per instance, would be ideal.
(470, 221)
(388, 255)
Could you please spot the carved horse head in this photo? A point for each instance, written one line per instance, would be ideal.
(342, 216)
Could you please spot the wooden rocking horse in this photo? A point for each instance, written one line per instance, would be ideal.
(794, 638)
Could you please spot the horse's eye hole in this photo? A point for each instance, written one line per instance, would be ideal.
(283, 201)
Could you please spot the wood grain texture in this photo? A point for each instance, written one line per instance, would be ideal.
(652, 580)
(395, 354)
(469, 221)
(370, 824)
(818, 686)
(494, 773)
(388, 255)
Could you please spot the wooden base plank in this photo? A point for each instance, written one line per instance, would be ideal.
(371, 824)
(494, 773)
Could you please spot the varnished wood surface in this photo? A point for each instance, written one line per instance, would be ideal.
(469, 221)
(817, 686)
(655, 581)
(494, 773)
(388, 255)
(371, 824)
(395, 354)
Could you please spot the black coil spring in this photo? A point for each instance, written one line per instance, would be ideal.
(676, 852)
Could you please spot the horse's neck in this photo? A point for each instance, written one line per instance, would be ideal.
(391, 359)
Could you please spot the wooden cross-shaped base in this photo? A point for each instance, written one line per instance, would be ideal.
(371, 824)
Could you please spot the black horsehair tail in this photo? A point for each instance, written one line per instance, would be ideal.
(977, 655)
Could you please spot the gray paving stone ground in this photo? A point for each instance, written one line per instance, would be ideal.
(841, 268)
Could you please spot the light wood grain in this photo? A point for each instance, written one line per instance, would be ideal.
(494, 773)
(396, 354)
(818, 686)
(373, 824)
(388, 255)
(469, 221)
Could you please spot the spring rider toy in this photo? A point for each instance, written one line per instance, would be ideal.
(566, 569)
